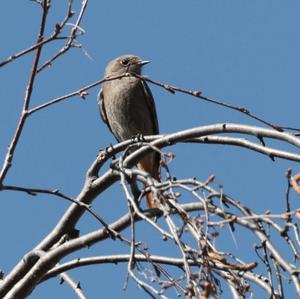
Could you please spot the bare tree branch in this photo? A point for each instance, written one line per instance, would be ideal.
(29, 88)
(74, 285)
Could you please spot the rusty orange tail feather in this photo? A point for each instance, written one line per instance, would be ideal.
(150, 164)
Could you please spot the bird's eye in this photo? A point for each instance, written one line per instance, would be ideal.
(125, 61)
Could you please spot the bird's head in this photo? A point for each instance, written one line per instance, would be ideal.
(124, 64)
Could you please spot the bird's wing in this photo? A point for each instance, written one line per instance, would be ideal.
(154, 169)
(102, 108)
(151, 106)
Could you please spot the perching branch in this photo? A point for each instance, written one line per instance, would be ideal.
(96, 185)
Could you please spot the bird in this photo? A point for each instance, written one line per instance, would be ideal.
(127, 107)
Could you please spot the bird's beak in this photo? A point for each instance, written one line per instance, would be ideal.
(143, 62)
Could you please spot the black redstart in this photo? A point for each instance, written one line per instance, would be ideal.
(128, 109)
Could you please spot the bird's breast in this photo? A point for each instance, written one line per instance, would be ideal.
(126, 108)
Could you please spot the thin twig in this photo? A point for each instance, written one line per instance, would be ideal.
(52, 37)
(70, 40)
(11, 148)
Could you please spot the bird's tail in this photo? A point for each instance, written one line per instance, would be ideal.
(150, 164)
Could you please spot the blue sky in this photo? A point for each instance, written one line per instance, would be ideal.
(242, 52)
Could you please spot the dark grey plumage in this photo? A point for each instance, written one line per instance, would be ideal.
(127, 107)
